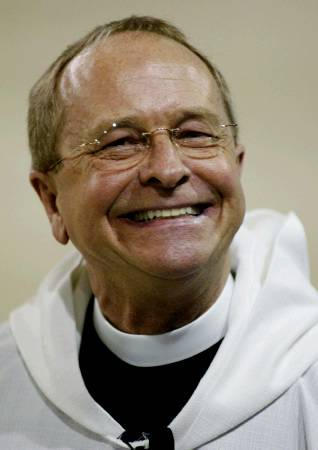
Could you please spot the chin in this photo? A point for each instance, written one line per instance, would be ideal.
(177, 264)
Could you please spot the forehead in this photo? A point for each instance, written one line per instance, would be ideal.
(140, 74)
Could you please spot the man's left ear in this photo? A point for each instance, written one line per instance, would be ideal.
(240, 156)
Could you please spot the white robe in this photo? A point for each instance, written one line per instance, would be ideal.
(260, 392)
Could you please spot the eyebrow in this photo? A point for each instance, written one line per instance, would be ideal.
(134, 121)
(198, 113)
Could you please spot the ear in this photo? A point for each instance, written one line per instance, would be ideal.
(240, 156)
(45, 188)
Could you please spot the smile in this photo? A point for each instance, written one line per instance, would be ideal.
(167, 213)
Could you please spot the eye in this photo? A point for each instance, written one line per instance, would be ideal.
(110, 143)
(122, 142)
(192, 134)
(190, 137)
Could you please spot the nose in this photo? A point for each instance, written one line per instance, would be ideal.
(163, 166)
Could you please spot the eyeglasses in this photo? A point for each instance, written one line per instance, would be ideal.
(123, 146)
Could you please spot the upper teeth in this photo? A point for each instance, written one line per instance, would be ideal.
(174, 212)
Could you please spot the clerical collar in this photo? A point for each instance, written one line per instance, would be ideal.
(160, 349)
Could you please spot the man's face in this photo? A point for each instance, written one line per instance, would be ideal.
(153, 81)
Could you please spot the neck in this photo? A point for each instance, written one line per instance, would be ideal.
(140, 303)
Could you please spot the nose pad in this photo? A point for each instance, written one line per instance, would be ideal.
(163, 166)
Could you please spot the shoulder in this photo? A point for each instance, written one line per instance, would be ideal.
(8, 348)
(309, 383)
(11, 366)
(308, 400)
(12, 376)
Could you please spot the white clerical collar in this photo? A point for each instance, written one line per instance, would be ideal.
(160, 349)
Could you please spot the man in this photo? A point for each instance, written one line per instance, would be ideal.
(169, 328)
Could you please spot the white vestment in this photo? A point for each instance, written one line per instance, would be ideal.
(260, 392)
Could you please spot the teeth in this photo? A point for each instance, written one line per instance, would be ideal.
(162, 213)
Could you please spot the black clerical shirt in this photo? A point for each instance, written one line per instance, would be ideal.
(139, 398)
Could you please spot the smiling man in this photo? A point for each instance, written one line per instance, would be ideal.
(173, 325)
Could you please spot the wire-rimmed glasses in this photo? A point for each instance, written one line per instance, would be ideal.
(126, 144)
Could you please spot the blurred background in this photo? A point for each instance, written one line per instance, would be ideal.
(267, 52)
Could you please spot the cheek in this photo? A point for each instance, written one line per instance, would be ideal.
(80, 199)
(92, 194)
(223, 175)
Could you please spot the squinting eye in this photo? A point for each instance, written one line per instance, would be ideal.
(196, 138)
(121, 144)
(190, 134)
(124, 141)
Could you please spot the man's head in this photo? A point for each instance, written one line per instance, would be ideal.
(46, 110)
(103, 199)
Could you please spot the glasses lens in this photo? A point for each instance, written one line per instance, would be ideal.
(200, 140)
